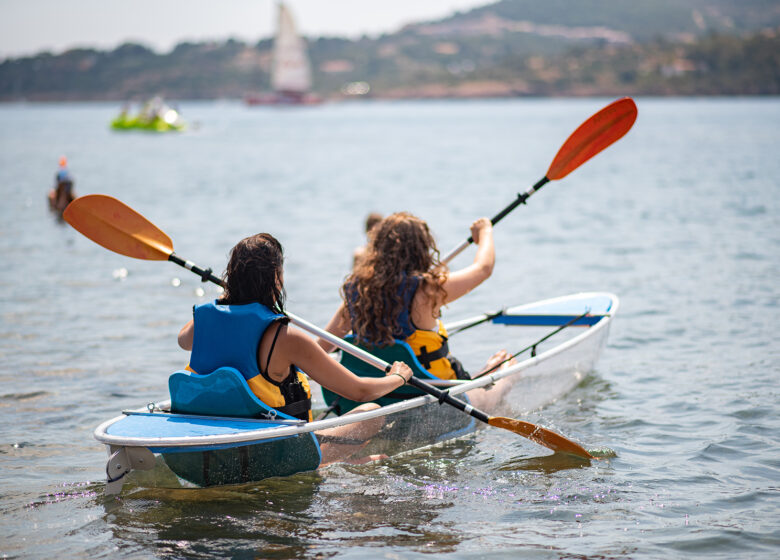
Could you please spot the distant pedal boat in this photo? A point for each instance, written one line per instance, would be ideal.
(166, 120)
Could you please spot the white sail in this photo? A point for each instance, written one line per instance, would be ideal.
(291, 71)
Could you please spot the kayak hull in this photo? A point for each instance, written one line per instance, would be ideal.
(245, 463)
(155, 125)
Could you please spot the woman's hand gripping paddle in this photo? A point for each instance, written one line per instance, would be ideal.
(600, 131)
(119, 228)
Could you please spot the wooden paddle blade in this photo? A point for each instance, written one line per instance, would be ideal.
(595, 134)
(542, 436)
(117, 227)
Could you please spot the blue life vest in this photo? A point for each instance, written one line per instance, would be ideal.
(229, 336)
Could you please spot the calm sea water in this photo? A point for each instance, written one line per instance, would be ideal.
(681, 219)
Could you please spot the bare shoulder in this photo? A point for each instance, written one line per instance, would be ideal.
(426, 303)
(285, 346)
(431, 290)
(296, 341)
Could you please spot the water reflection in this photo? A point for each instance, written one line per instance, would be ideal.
(547, 464)
(346, 505)
(268, 519)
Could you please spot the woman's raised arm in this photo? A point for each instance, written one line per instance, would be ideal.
(462, 281)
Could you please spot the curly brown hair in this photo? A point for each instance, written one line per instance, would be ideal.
(254, 273)
(400, 246)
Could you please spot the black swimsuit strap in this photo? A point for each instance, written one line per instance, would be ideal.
(271, 351)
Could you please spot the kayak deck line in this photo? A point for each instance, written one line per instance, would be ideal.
(156, 429)
(178, 416)
(550, 312)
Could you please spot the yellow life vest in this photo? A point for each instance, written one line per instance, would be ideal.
(432, 351)
(273, 394)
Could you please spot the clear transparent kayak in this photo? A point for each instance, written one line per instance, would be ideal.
(563, 337)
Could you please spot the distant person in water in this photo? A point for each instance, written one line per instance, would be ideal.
(398, 288)
(247, 329)
(152, 110)
(62, 193)
(371, 221)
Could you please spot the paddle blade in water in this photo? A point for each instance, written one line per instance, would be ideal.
(595, 134)
(542, 436)
(117, 227)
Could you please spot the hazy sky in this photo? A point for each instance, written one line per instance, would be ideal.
(30, 26)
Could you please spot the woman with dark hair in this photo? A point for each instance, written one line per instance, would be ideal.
(247, 329)
(397, 291)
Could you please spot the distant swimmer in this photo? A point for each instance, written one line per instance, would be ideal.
(62, 194)
(371, 222)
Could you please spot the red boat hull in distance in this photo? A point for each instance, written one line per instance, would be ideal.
(283, 98)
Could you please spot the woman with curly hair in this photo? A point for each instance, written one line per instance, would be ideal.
(398, 289)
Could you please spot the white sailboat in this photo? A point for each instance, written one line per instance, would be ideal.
(291, 69)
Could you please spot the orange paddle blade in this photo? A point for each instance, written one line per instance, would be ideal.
(117, 227)
(595, 134)
(540, 435)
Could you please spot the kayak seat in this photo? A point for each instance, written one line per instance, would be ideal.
(400, 351)
(223, 392)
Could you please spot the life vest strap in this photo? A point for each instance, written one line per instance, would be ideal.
(298, 409)
(426, 357)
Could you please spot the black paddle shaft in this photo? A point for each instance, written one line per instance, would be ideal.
(206, 275)
(444, 396)
(521, 198)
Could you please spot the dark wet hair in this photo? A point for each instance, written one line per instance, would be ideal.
(254, 273)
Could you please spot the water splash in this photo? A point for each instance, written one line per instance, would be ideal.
(603, 453)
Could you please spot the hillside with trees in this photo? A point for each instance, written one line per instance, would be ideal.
(510, 48)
